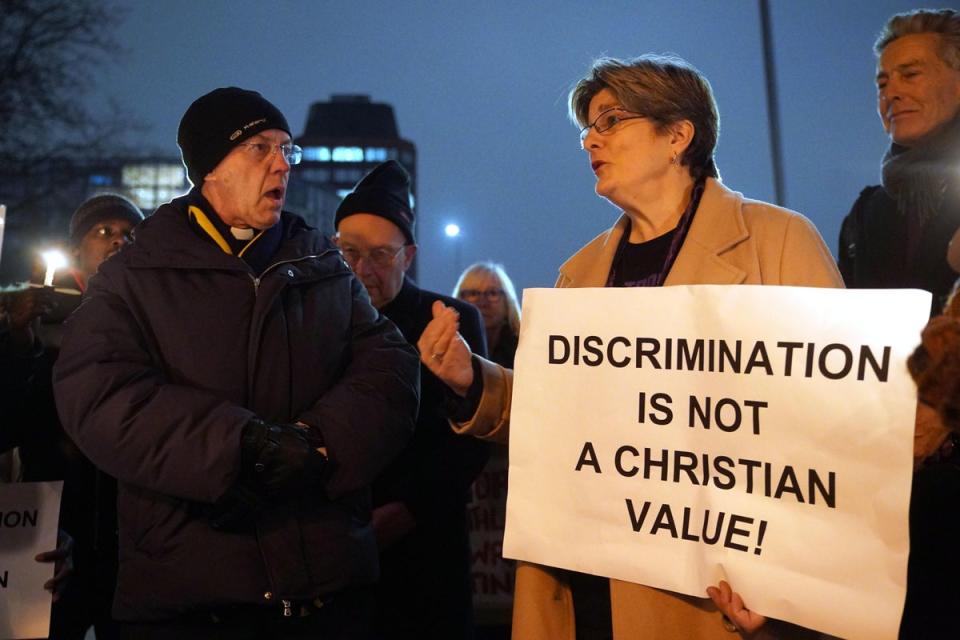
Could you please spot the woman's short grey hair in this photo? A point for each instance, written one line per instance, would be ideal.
(944, 22)
(480, 271)
(665, 89)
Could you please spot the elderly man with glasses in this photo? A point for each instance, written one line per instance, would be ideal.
(420, 501)
(228, 369)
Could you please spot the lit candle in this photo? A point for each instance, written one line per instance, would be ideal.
(54, 260)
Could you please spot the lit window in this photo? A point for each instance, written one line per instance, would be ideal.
(150, 185)
(316, 154)
(376, 154)
(347, 154)
(161, 175)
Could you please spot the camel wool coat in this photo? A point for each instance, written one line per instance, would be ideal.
(732, 240)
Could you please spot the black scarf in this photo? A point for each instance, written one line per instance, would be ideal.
(918, 177)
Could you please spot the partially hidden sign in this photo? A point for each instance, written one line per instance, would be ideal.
(678, 436)
(29, 512)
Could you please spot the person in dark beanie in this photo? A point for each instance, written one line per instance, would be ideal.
(228, 369)
(897, 234)
(420, 500)
(99, 228)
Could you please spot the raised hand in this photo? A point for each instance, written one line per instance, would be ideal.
(444, 351)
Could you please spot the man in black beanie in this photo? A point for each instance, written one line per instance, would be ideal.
(228, 369)
(420, 500)
(100, 227)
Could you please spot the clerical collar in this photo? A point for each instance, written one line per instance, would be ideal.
(244, 235)
(256, 248)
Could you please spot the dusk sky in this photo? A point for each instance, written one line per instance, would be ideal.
(481, 88)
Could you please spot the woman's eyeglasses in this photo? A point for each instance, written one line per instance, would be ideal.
(608, 120)
(490, 295)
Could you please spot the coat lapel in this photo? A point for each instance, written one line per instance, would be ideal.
(590, 266)
(717, 227)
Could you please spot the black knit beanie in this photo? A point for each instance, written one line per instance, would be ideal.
(105, 206)
(383, 192)
(217, 122)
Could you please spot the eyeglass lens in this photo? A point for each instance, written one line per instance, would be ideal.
(490, 294)
(381, 257)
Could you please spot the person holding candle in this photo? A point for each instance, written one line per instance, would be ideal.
(100, 227)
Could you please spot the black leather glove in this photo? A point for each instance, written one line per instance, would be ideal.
(281, 457)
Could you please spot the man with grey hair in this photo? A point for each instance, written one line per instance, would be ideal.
(897, 234)
(229, 371)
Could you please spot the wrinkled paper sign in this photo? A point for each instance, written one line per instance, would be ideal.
(678, 436)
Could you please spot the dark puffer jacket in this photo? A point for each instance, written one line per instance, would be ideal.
(873, 248)
(176, 346)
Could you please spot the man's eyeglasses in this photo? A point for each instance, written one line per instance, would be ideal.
(608, 120)
(260, 150)
(382, 257)
(490, 295)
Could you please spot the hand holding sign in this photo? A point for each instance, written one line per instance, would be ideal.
(28, 528)
(62, 557)
(731, 605)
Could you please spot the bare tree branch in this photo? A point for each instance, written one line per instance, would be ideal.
(49, 53)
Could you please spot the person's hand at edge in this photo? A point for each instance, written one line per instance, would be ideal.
(62, 557)
(731, 605)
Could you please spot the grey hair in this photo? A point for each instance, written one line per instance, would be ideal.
(943, 22)
(665, 89)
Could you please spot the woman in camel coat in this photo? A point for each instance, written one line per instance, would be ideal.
(649, 127)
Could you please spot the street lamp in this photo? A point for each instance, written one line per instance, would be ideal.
(452, 231)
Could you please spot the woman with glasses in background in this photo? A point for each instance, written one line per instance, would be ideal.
(487, 286)
(649, 129)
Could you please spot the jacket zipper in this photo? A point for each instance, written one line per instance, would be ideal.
(287, 604)
(256, 280)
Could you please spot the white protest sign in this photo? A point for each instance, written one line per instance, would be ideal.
(29, 512)
(678, 436)
(491, 575)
